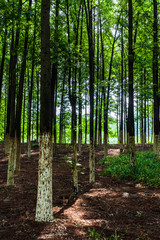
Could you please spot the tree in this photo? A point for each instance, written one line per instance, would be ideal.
(155, 80)
(44, 196)
(89, 16)
(131, 90)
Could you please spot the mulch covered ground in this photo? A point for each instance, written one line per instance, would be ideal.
(107, 206)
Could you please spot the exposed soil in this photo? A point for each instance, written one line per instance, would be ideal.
(108, 206)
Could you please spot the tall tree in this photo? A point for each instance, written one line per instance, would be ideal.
(89, 10)
(131, 90)
(44, 196)
(121, 85)
(12, 93)
(20, 94)
(31, 85)
(54, 78)
(155, 79)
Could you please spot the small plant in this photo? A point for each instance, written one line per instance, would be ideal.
(101, 236)
(94, 235)
(114, 237)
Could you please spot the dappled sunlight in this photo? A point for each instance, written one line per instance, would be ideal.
(4, 159)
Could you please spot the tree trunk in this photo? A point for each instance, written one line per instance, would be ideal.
(37, 116)
(125, 106)
(100, 119)
(44, 212)
(145, 108)
(13, 63)
(31, 87)
(20, 97)
(24, 108)
(86, 114)
(80, 89)
(121, 85)
(61, 124)
(88, 10)
(55, 76)
(3, 60)
(97, 86)
(155, 80)
(106, 100)
(141, 110)
(131, 91)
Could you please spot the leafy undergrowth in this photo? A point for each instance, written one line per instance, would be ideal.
(101, 236)
(146, 170)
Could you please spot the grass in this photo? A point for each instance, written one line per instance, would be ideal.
(146, 170)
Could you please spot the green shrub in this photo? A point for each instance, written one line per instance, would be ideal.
(146, 170)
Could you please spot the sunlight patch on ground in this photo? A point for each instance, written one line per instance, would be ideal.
(34, 153)
(101, 192)
(5, 159)
(82, 217)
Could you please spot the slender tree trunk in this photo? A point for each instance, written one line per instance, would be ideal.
(145, 108)
(61, 124)
(121, 120)
(55, 76)
(137, 114)
(31, 87)
(141, 111)
(37, 116)
(91, 89)
(44, 212)
(100, 119)
(97, 85)
(148, 121)
(80, 90)
(155, 82)
(20, 97)
(3, 60)
(86, 114)
(131, 91)
(106, 100)
(125, 106)
(13, 63)
(24, 108)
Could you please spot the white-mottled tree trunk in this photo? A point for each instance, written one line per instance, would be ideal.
(10, 174)
(44, 212)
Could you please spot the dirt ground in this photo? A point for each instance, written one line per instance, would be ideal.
(108, 206)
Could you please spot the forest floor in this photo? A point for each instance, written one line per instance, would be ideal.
(107, 207)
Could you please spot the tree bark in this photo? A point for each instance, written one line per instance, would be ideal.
(3, 60)
(131, 90)
(80, 89)
(20, 96)
(121, 85)
(12, 90)
(155, 80)
(88, 10)
(31, 87)
(44, 212)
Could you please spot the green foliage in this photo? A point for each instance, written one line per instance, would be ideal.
(146, 171)
(96, 236)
